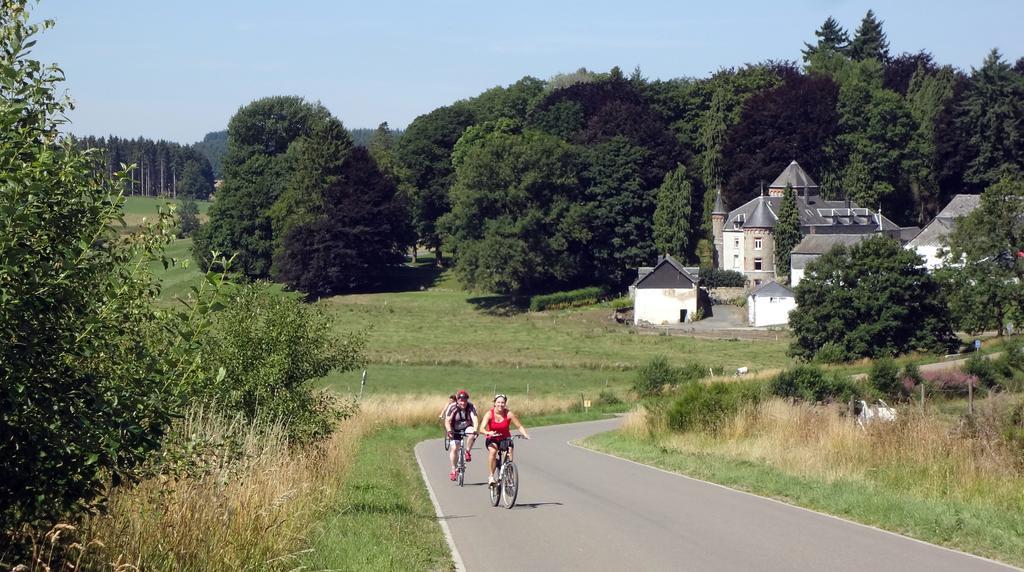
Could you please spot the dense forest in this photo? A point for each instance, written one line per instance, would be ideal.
(162, 168)
(577, 180)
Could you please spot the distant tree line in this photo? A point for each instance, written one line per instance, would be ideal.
(542, 186)
(213, 146)
(162, 168)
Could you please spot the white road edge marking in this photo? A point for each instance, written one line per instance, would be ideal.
(456, 557)
(889, 532)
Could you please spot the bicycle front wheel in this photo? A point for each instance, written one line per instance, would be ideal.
(495, 490)
(510, 485)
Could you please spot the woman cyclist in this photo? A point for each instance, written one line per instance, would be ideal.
(495, 425)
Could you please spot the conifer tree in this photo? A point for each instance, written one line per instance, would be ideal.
(869, 42)
(994, 119)
(672, 214)
(832, 38)
(787, 231)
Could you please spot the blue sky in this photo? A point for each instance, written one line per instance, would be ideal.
(177, 70)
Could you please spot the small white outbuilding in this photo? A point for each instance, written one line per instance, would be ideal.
(668, 294)
(770, 304)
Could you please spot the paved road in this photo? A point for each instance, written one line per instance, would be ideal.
(580, 510)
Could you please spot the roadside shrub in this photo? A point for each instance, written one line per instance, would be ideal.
(264, 353)
(831, 352)
(810, 383)
(985, 370)
(705, 407)
(719, 278)
(654, 376)
(569, 299)
(885, 377)
(608, 397)
(621, 303)
(951, 382)
(658, 374)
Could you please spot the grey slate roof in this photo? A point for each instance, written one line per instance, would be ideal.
(837, 217)
(822, 243)
(935, 233)
(671, 262)
(762, 216)
(795, 176)
(772, 288)
(719, 206)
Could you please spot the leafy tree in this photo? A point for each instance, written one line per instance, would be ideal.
(193, 184)
(426, 153)
(188, 221)
(272, 348)
(875, 133)
(832, 38)
(985, 287)
(517, 223)
(82, 399)
(353, 231)
(795, 120)
(512, 102)
(900, 71)
(928, 96)
(869, 300)
(620, 211)
(256, 171)
(787, 231)
(993, 118)
(869, 41)
(672, 214)
(213, 146)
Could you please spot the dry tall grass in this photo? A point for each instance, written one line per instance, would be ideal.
(918, 453)
(256, 500)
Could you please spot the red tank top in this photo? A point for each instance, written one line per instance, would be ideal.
(500, 427)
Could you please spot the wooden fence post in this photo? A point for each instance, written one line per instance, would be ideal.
(970, 397)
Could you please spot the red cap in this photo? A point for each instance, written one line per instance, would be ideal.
(462, 393)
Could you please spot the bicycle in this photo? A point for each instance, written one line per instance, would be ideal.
(460, 456)
(506, 486)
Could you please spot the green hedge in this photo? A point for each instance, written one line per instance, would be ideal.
(718, 278)
(556, 300)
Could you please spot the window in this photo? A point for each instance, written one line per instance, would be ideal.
(757, 243)
(757, 264)
(736, 242)
(735, 261)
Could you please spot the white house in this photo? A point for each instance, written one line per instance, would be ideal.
(668, 294)
(932, 238)
(769, 305)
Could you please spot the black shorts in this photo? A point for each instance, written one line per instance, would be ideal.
(503, 443)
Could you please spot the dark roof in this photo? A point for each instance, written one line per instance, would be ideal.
(935, 233)
(719, 206)
(762, 216)
(659, 278)
(772, 288)
(822, 243)
(794, 176)
(814, 211)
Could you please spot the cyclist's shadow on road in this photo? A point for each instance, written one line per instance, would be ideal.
(535, 504)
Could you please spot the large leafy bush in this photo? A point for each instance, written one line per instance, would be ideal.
(82, 401)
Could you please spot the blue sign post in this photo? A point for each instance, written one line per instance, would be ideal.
(977, 345)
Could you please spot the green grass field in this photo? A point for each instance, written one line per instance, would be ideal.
(138, 208)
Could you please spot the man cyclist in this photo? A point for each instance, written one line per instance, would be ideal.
(495, 425)
(458, 422)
